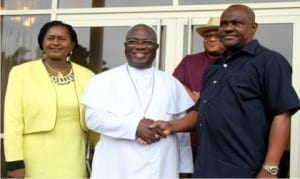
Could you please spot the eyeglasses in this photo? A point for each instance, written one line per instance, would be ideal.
(145, 43)
(210, 35)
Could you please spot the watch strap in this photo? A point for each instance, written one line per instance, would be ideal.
(272, 169)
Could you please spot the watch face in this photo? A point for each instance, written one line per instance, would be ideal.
(274, 170)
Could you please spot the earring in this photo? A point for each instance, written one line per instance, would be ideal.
(44, 55)
(69, 57)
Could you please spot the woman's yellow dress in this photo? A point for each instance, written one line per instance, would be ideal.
(58, 153)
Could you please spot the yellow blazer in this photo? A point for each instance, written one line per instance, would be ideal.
(30, 103)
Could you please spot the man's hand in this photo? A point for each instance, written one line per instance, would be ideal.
(158, 128)
(146, 135)
(17, 173)
(163, 128)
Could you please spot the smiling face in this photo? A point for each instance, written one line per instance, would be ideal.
(57, 43)
(212, 43)
(237, 27)
(140, 46)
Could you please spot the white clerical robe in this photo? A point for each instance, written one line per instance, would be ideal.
(113, 109)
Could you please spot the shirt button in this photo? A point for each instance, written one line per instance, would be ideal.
(204, 101)
(215, 82)
(225, 65)
(200, 125)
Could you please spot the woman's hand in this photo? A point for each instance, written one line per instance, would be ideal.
(17, 173)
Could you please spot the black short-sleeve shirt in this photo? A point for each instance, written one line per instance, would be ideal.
(239, 98)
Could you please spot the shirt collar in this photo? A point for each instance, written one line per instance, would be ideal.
(248, 49)
(138, 73)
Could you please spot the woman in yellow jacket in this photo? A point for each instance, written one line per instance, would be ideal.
(44, 130)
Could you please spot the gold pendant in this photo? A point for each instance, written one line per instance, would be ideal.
(59, 74)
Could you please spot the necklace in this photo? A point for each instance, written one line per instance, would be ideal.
(63, 80)
(137, 94)
(58, 73)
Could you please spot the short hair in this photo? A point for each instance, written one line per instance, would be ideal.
(150, 28)
(245, 8)
(50, 24)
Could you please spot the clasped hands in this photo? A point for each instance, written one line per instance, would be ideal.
(150, 131)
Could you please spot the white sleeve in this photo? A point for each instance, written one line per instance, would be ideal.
(186, 163)
(185, 153)
(112, 125)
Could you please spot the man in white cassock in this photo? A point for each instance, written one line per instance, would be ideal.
(120, 105)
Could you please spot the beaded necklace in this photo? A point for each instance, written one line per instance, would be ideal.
(63, 80)
(59, 78)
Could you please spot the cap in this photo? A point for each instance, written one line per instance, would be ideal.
(212, 24)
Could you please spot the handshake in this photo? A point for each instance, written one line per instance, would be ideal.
(150, 131)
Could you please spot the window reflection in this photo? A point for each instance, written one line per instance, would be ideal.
(110, 3)
(19, 43)
(194, 2)
(20, 32)
(26, 21)
(25, 4)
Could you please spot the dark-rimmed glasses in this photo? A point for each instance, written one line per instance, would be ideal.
(145, 43)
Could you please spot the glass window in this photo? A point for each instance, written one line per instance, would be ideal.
(19, 36)
(197, 41)
(100, 48)
(113, 48)
(18, 42)
(190, 2)
(25, 4)
(283, 42)
(134, 3)
(110, 3)
(162, 48)
(79, 3)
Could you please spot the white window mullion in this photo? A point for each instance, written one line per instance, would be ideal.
(295, 127)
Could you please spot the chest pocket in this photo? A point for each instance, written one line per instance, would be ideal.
(245, 86)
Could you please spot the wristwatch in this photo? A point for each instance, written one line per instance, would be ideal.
(272, 169)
